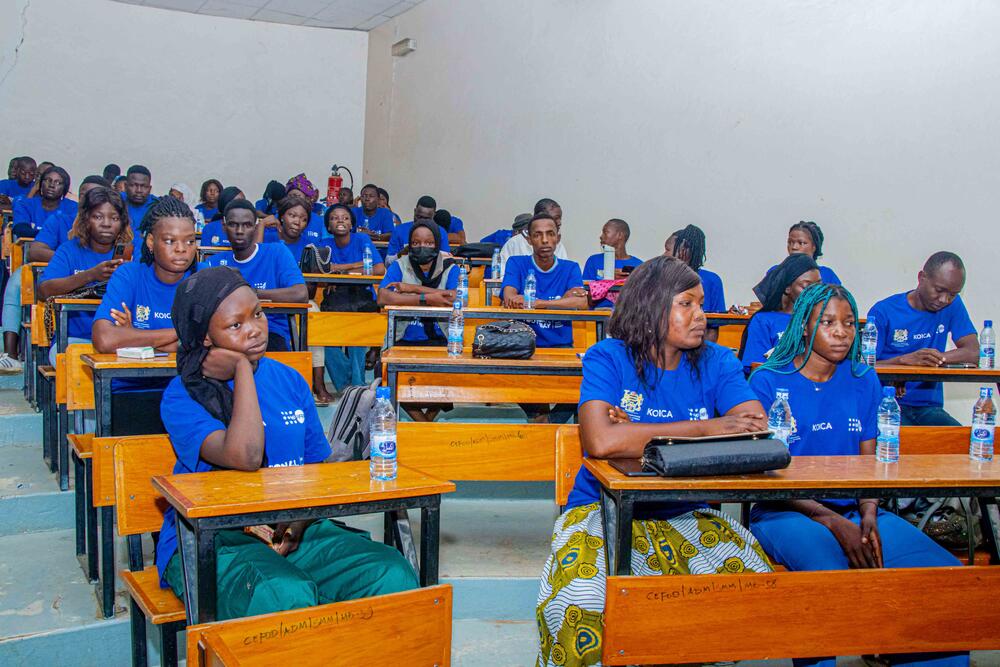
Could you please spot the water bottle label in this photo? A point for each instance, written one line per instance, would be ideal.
(383, 446)
(455, 334)
(981, 434)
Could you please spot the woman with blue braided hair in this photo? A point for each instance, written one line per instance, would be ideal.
(834, 398)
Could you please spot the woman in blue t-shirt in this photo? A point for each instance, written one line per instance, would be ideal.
(834, 398)
(88, 255)
(688, 245)
(231, 408)
(209, 196)
(777, 293)
(807, 238)
(656, 376)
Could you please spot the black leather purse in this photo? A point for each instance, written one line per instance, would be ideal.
(475, 250)
(732, 455)
(504, 339)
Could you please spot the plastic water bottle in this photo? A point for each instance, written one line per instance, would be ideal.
(609, 263)
(987, 346)
(495, 264)
(463, 285)
(779, 417)
(887, 444)
(869, 343)
(382, 427)
(530, 284)
(456, 330)
(984, 417)
(367, 261)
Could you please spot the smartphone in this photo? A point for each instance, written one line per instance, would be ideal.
(119, 251)
(626, 269)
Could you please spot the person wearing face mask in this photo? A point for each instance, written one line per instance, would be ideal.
(422, 277)
(518, 244)
(423, 212)
(777, 293)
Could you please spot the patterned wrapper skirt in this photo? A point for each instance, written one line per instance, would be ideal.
(570, 612)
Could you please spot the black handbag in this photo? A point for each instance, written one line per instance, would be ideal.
(715, 457)
(475, 250)
(315, 260)
(504, 339)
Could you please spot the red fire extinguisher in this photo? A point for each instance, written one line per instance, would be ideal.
(335, 182)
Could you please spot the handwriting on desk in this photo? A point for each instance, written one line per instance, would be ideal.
(283, 629)
(487, 439)
(741, 585)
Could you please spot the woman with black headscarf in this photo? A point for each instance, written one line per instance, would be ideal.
(777, 293)
(421, 277)
(231, 408)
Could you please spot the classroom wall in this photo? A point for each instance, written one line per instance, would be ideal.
(191, 97)
(877, 120)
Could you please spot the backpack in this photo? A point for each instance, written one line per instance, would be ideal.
(348, 433)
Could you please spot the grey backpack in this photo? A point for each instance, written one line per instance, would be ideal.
(348, 433)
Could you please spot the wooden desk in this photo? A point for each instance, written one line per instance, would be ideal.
(898, 373)
(807, 477)
(298, 320)
(107, 367)
(480, 382)
(209, 502)
(342, 279)
(599, 317)
(63, 308)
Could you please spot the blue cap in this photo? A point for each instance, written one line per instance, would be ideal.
(988, 324)
(382, 392)
(889, 392)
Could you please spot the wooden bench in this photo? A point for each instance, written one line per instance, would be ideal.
(140, 510)
(409, 628)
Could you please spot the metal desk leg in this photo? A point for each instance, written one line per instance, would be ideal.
(430, 542)
(389, 529)
(402, 536)
(62, 445)
(991, 532)
(390, 331)
(197, 548)
(108, 561)
(48, 424)
(81, 510)
(102, 400)
(91, 512)
(392, 378)
(63, 334)
(623, 542)
(610, 525)
(304, 331)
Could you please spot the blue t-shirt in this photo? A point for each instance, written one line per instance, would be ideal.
(212, 234)
(148, 299)
(208, 213)
(296, 248)
(265, 208)
(763, 333)
(499, 237)
(293, 434)
(315, 230)
(381, 221)
(13, 189)
(69, 259)
(902, 330)
(552, 284)
(270, 267)
(137, 213)
(55, 231)
(715, 296)
(353, 252)
(830, 418)
(595, 264)
(456, 225)
(29, 210)
(401, 237)
(609, 375)
(415, 330)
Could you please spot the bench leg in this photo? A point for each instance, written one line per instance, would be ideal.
(62, 428)
(108, 561)
(47, 423)
(81, 512)
(991, 533)
(137, 624)
(88, 506)
(168, 645)
(388, 530)
(430, 543)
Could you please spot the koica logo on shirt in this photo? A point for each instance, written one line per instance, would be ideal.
(659, 414)
(900, 335)
(822, 426)
(921, 336)
(161, 316)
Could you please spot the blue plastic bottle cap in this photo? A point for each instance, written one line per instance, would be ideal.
(889, 392)
(988, 324)
(382, 392)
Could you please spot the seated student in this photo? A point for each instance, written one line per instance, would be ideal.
(688, 245)
(501, 236)
(214, 232)
(807, 238)
(208, 198)
(268, 204)
(558, 286)
(656, 376)
(373, 220)
(834, 398)
(347, 253)
(227, 409)
(138, 186)
(423, 212)
(135, 311)
(31, 213)
(19, 183)
(777, 293)
(345, 197)
(268, 267)
(118, 185)
(383, 202)
(913, 329)
(184, 192)
(301, 186)
(424, 276)
(615, 233)
(56, 229)
(452, 225)
(87, 257)
(517, 245)
(110, 172)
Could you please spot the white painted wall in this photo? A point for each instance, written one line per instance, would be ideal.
(877, 120)
(191, 97)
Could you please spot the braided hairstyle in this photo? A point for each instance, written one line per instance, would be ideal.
(164, 207)
(691, 239)
(814, 232)
(793, 343)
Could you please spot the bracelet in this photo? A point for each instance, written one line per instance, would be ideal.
(423, 299)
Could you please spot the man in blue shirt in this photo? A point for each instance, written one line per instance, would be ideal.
(424, 210)
(615, 233)
(452, 225)
(138, 186)
(268, 267)
(372, 219)
(913, 329)
(19, 183)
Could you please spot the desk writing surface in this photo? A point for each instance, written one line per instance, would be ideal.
(285, 305)
(77, 302)
(228, 492)
(553, 357)
(477, 312)
(930, 470)
(111, 361)
(936, 372)
(342, 276)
